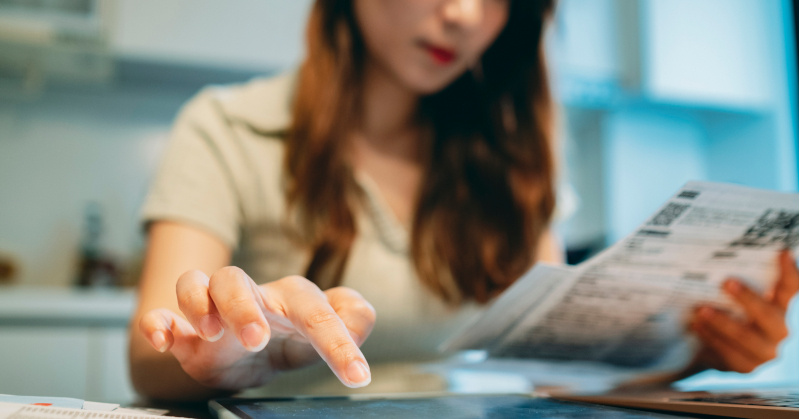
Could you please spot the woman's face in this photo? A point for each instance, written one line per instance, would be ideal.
(427, 44)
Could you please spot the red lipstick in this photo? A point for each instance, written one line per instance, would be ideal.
(441, 55)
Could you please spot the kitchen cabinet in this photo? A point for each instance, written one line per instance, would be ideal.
(711, 52)
(66, 343)
(245, 34)
(708, 54)
(666, 91)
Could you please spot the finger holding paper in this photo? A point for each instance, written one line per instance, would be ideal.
(741, 345)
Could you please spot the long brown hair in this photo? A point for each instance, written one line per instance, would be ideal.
(487, 194)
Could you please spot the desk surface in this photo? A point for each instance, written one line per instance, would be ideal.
(534, 407)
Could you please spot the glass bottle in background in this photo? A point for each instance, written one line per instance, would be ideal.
(96, 267)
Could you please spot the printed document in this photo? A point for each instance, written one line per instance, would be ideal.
(629, 306)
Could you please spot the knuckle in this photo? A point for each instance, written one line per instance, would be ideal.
(224, 278)
(341, 348)
(227, 272)
(365, 309)
(150, 316)
(189, 279)
(354, 301)
(161, 314)
(191, 299)
(296, 282)
(237, 305)
(344, 292)
(321, 319)
(194, 273)
(148, 322)
(190, 276)
(156, 319)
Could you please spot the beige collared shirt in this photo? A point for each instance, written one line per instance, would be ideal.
(223, 173)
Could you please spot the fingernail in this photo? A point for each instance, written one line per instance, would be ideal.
(159, 341)
(253, 337)
(358, 374)
(733, 287)
(211, 329)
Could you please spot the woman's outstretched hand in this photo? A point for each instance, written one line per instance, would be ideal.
(741, 345)
(234, 334)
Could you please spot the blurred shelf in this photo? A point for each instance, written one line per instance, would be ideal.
(47, 306)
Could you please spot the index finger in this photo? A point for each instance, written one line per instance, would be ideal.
(307, 307)
(786, 286)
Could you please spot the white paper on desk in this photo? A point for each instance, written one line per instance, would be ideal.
(43, 401)
(628, 306)
(18, 410)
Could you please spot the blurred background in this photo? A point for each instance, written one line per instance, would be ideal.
(653, 93)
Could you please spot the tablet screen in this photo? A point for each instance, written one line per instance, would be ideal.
(440, 407)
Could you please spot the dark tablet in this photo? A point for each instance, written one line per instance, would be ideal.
(416, 406)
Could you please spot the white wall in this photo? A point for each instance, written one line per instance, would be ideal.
(56, 157)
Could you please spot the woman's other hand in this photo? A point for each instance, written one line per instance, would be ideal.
(234, 334)
(741, 345)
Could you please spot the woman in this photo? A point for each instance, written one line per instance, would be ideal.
(406, 170)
